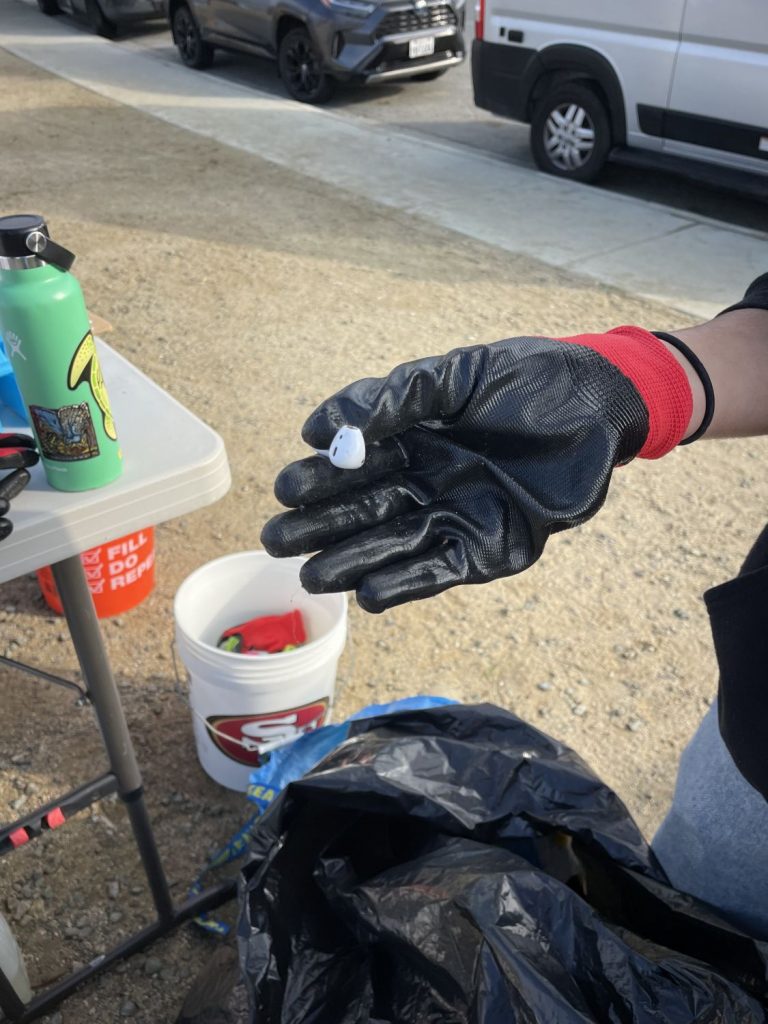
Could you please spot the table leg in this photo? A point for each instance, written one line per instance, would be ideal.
(126, 778)
(12, 1006)
(97, 674)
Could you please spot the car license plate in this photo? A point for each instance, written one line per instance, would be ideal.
(421, 47)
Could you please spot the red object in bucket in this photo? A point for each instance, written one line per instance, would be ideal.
(120, 574)
(267, 634)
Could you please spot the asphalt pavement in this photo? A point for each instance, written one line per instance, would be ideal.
(445, 110)
(425, 149)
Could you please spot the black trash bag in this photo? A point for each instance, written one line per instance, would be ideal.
(457, 865)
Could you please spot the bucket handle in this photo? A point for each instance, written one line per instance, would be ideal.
(264, 748)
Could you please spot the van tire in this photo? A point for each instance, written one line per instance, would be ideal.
(571, 132)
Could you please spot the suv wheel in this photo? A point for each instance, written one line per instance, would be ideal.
(98, 21)
(301, 68)
(193, 49)
(49, 7)
(571, 132)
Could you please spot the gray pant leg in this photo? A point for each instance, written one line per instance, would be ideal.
(714, 841)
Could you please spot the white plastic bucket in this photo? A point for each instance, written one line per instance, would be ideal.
(243, 705)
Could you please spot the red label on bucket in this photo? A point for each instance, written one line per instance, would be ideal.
(252, 735)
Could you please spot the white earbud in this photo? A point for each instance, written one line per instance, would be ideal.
(347, 449)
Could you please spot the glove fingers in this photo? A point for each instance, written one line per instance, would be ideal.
(437, 387)
(377, 405)
(342, 566)
(313, 479)
(6, 527)
(328, 522)
(413, 579)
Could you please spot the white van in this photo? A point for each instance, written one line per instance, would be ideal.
(681, 77)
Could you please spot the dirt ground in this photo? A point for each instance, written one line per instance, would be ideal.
(250, 293)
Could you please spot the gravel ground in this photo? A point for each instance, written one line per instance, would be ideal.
(250, 293)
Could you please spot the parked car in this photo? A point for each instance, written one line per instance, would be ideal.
(687, 78)
(318, 43)
(105, 16)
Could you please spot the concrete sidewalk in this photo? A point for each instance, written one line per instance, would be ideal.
(695, 265)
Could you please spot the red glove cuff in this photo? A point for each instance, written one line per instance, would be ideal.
(659, 378)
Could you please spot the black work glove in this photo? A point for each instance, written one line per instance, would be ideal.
(17, 451)
(473, 459)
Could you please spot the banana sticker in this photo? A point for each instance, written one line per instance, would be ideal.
(85, 367)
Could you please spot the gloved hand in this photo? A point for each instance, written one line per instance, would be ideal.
(16, 452)
(473, 459)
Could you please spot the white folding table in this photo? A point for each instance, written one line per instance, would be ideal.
(173, 463)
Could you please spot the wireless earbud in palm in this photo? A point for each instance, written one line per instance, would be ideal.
(347, 449)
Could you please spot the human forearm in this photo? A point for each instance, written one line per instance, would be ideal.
(734, 349)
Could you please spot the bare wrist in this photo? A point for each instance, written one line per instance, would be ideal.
(734, 349)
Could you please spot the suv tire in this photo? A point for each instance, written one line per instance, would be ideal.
(98, 21)
(49, 7)
(301, 68)
(571, 132)
(193, 49)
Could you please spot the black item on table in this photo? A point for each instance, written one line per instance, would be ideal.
(17, 451)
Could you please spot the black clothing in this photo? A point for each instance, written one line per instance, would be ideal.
(738, 613)
(755, 297)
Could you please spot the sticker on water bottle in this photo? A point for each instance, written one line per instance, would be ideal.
(85, 367)
(66, 434)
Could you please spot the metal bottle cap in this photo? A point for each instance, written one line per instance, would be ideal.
(14, 231)
(25, 243)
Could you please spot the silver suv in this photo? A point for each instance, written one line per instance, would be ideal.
(318, 43)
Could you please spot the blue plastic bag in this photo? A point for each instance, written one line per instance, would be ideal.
(295, 759)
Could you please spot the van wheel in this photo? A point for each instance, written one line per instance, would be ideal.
(193, 49)
(49, 7)
(571, 132)
(301, 68)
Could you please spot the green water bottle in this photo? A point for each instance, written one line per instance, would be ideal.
(47, 336)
